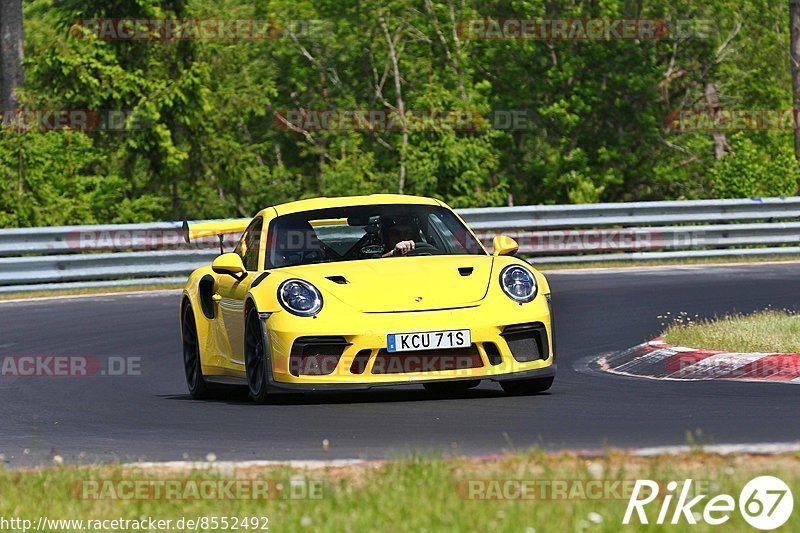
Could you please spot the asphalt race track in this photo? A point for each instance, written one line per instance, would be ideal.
(151, 417)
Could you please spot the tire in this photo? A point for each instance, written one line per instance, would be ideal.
(451, 387)
(255, 358)
(193, 369)
(527, 386)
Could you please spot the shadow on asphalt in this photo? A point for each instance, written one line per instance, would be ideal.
(239, 396)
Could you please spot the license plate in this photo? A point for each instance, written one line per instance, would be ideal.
(428, 340)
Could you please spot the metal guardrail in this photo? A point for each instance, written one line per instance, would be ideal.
(632, 214)
(102, 255)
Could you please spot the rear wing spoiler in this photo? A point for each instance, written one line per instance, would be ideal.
(198, 230)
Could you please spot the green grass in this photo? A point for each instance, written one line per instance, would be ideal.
(766, 331)
(410, 494)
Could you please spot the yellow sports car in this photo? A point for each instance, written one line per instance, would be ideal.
(365, 291)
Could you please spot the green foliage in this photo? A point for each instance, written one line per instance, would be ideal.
(205, 139)
(47, 190)
(757, 169)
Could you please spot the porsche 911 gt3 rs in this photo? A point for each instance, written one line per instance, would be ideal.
(359, 292)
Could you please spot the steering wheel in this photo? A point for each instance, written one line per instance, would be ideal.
(422, 248)
(370, 250)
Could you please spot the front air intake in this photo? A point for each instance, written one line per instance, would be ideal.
(527, 342)
(316, 356)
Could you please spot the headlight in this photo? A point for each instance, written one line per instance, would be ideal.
(300, 297)
(518, 283)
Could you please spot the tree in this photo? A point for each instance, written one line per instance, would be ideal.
(11, 53)
(794, 27)
(213, 128)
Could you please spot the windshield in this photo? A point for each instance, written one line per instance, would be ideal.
(366, 232)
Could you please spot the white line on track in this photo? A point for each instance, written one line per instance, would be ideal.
(762, 448)
(133, 294)
(228, 466)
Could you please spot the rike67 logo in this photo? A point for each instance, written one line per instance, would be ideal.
(765, 502)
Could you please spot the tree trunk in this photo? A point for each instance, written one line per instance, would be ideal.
(401, 109)
(11, 54)
(794, 48)
(720, 142)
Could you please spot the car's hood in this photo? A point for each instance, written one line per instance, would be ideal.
(402, 283)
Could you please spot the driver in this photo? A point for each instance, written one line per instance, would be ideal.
(399, 239)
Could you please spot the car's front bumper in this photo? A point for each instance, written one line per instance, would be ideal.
(545, 372)
(365, 334)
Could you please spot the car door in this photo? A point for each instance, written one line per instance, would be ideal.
(231, 291)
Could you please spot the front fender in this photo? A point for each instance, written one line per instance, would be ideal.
(191, 296)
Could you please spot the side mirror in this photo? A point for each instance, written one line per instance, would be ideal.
(504, 245)
(230, 264)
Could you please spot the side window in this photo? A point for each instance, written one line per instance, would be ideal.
(457, 239)
(441, 233)
(250, 244)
